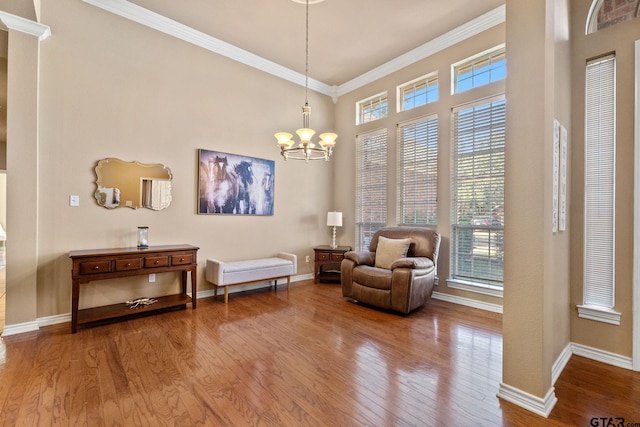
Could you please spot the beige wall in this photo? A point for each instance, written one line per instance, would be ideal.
(346, 119)
(619, 39)
(113, 88)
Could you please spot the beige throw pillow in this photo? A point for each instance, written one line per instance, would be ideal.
(390, 250)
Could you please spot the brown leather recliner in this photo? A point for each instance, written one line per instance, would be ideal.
(406, 284)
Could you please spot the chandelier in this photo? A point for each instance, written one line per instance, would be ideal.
(305, 149)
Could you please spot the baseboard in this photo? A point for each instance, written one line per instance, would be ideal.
(21, 328)
(560, 363)
(528, 401)
(598, 355)
(469, 302)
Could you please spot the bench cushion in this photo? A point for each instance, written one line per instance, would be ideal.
(256, 269)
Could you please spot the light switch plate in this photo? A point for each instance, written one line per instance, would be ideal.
(74, 200)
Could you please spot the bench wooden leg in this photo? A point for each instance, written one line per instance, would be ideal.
(215, 292)
(226, 295)
(288, 282)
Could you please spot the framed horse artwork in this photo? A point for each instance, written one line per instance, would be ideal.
(234, 184)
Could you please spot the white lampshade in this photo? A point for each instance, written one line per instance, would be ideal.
(334, 219)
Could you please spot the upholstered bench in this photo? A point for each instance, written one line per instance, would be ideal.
(225, 274)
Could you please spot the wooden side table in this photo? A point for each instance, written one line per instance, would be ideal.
(327, 268)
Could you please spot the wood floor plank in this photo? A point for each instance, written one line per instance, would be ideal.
(307, 357)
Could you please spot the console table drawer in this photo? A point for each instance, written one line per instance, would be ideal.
(182, 259)
(156, 261)
(323, 256)
(95, 267)
(128, 264)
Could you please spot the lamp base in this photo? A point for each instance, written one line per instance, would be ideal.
(333, 243)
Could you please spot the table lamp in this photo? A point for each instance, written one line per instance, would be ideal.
(334, 219)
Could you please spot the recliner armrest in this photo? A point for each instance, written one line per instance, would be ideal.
(361, 258)
(414, 262)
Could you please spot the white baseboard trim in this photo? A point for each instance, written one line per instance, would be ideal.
(21, 328)
(469, 302)
(528, 401)
(603, 356)
(560, 363)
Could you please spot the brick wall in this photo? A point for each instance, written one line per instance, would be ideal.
(613, 12)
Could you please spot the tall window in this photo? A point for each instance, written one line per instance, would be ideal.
(478, 193)
(482, 69)
(418, 92)
(371, 186)
(599, 191)
(373, 108)
(418, 171)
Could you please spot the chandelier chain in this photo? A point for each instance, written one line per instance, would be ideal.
(306, 65)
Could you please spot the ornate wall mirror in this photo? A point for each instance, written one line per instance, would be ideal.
(132, 185)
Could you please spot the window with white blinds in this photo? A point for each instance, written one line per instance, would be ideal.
(599, 185)
(478, 192)
(418, 171)
(371, 186)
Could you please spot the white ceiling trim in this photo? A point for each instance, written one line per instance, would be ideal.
(173, 28)
(24, 25)
(457, 35)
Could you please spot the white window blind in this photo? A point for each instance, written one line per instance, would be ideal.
(599, 203)
(371, 186)
(418, 171)
(478, 192)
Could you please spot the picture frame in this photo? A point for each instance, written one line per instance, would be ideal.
(234, 184)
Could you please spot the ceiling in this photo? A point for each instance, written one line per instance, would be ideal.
(346, 37)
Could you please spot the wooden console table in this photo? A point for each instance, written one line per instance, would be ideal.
(328, 259)
(100, 264)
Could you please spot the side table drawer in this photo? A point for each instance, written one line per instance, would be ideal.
(95, 267)
(182, 259)
(337, 257)
(156, 261)
(323, 256)
(128, 264)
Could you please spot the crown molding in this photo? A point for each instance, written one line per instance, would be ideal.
(457, 35)
(183, 32)
(27, 26)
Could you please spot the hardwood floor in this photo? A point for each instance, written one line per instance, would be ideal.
(303, 358)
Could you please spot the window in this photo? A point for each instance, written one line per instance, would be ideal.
(418, 92)
(418, 171)
(478, 193)
(371, 186)
(599, 192)
(482, 69)
(373, 108)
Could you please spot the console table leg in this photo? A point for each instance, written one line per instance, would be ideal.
(194, 288)
(75, 297)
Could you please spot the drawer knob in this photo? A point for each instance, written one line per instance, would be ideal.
(128, 264)
(97, 267)
(157, 262)
(181, 259)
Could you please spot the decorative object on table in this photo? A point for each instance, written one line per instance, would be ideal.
(235, 184)
(143, 237)
(305, 149)
(334, 219)
(141, 302)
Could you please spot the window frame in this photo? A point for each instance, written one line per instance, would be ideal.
(380, 99)
(599, 192)
(428, 80)
(471, 61)
(487, 286)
